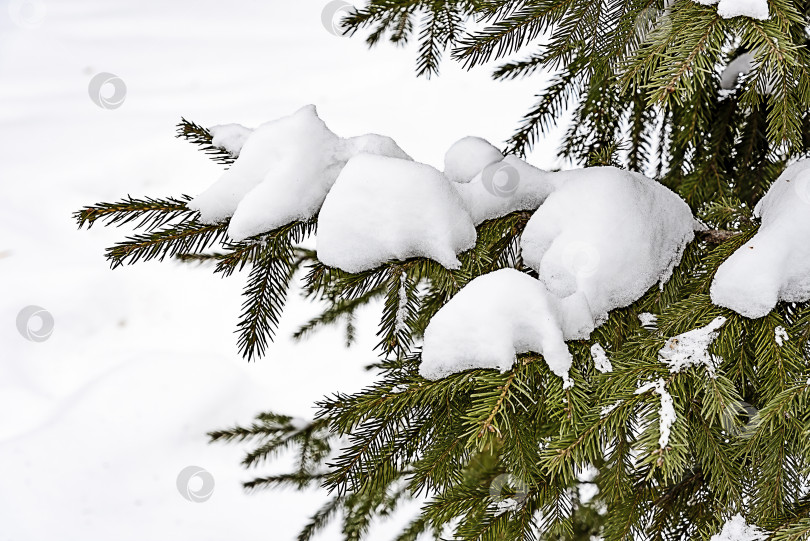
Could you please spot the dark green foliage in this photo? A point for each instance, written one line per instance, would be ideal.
(150, 213)
(171, 229)
(201, 137)
(515, 455)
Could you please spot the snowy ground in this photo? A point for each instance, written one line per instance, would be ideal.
(97, 422)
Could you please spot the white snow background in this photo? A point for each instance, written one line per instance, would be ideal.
(97, 422)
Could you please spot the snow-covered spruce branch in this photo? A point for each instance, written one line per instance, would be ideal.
(148, 213)
(489, 262)
(597, 241)
(220, 143)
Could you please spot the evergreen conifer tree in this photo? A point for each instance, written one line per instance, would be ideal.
(519, 455)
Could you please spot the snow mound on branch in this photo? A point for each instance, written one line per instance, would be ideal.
(736, 529)
(692, 348)
(371, 143)
(666, 413)
(756, 9)
(775, 264)
(648, 321)
(503, 187)
(284, 171)
(296, 156)
(740, 66)
(383, 208)
(600, 239)
(607, 410)
(230, 137)
(600, 359)
(492, 319)
(780, 336)
(468, 156)
(604, 237)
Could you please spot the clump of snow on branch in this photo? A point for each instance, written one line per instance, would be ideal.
(780, 335)
(607, 410)
(775, 264)
(506, 505)
(600, 238)
(294, 157)
(666, 413)
(403, 302)
(284, 170)
(371, 143)
(503, 187)
(740, 66)
(491, 320)
(382, 209)
(605, 236)
(736, 529)
(648, 321)
(230, 137)
(467, 157)
(600, 359)
(692, 348)
(756, 9)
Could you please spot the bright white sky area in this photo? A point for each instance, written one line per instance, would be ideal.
(97, 422)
